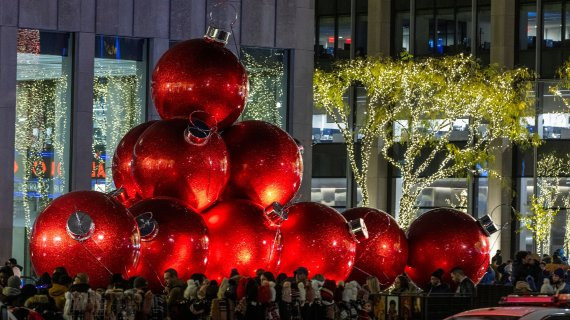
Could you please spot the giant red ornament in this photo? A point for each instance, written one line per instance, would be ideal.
(172, 236)
(317, 237)
(85, 231)
(241, 237)
(122, 160)
(200, 75)
(190, 165)
(446, 238)
(266, 165)
(385, 253)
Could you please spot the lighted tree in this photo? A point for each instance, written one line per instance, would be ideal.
(415, 103)
(546, 204)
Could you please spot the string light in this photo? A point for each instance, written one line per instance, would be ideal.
(117, 108)
(266, 77)
(41, 113)
(423, 98)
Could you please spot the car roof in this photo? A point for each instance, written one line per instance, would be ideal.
(501, 311)
(526, 312)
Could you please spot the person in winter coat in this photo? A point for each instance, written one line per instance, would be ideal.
(436, 286)
(174, 294)
(402, 284)
(327, 298)
(11, 292)
(558, 283)
(546, 287)
(267, 296)
(119, 304)
(80, 301)
(60, 286)
(5, 273)
(465, 285)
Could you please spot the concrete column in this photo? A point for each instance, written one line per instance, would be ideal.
(379, 44)
(82, 115)
(500, 197)
(8, 62)
(379, 16)
(157, 47)
(503, 35)
(301, 79)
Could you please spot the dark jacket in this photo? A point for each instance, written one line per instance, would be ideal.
(175, 296)
(80, 287)
(442, 288)
(466, 287)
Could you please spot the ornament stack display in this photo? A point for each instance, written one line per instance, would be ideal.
(201, 194)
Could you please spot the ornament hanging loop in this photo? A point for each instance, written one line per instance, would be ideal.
(358, 229)
(221, 18)
(198, 131)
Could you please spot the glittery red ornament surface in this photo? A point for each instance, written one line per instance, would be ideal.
(172, 236)
(385, 253)
(123, 157)
(200, 75)
(266, 165)
(166, 164)
(85, 231)
(446, 238)
(242, 238)
(317, 237)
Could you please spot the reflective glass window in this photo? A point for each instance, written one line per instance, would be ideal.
(42, 146)
(268, 72)
(119, 99)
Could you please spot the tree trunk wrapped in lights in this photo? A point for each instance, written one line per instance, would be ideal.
(421, 99)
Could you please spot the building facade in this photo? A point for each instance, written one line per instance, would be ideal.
(510, 33)
(75, 76)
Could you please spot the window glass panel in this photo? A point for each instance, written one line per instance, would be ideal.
(484, 34)
(43, 105)
(527, 35)
(445, 23)
(344, 37)
(402, 32)
(482, 196)
(361, 35)
(326, 37)
(268, 79)
(552, 25)
(425, 43)
(463, 36)
(553, 53)
(119, 95)
(553, 118)
(526, 187)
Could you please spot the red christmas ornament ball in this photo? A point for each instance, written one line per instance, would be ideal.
(317, 237)
(172, 236)
(85, 231)
(385, 253)
(200, 75)
(266, 165)
(446, 238)
(122, 160)
(241, 237)
(170, 160)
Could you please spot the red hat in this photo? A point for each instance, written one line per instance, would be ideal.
(327, 290)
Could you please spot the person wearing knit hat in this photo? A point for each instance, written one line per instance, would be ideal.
(12, 291)
(558, 283)
(436, 286)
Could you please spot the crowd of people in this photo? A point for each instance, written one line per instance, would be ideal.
(63, 296)
(530, 273)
